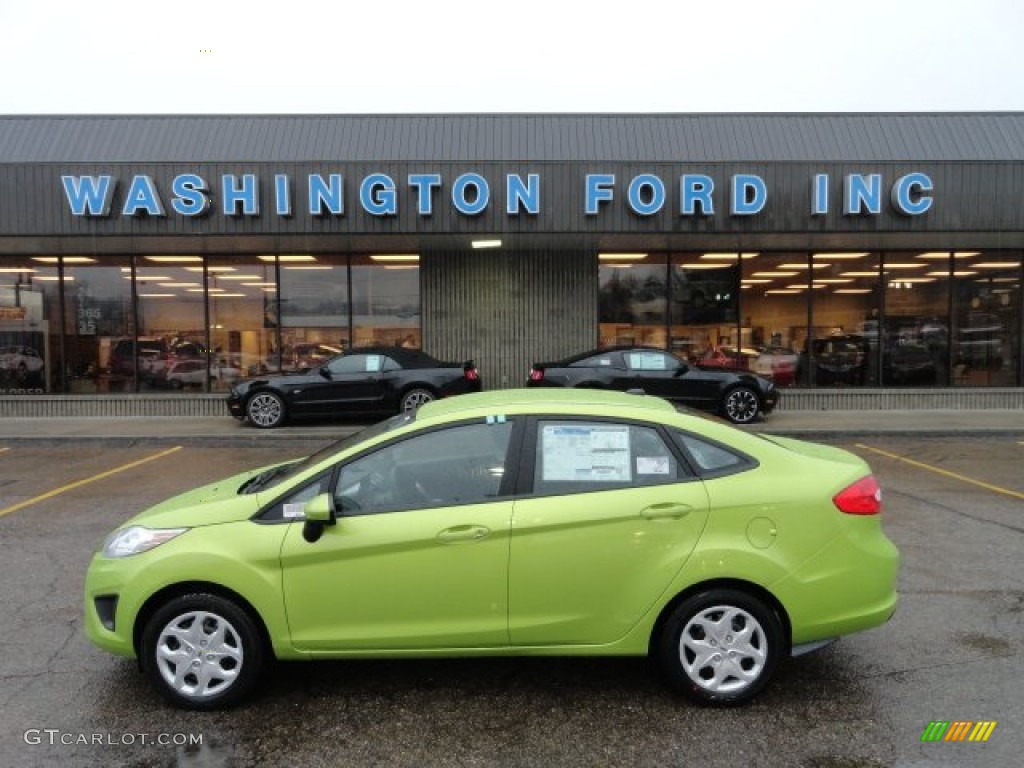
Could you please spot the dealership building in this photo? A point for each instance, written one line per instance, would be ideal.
(857, 258)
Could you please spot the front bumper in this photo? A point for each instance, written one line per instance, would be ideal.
(236, 407)
(107, 618)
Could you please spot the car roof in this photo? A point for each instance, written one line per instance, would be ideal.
(610, 350)
(405, 357)
(511, 401)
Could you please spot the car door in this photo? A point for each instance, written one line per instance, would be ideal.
(352, 382)
(608, 518)
(418, 557)
(655, 372)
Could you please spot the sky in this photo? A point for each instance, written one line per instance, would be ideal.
(351, 56)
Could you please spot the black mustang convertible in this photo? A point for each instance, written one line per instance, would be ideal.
(738, 396)
(367, 380)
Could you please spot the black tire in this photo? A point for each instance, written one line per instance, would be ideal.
(265, 410)
(414, 398)
(203, 652)
(720, 647)
(741, 405)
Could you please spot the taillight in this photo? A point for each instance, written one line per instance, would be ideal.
(862, 498)
(536, 374)
(471, 374)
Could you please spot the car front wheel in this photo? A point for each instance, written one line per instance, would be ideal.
(265, 410)
(414, 398)
(740, 405)
(202, 652)
(721, 646)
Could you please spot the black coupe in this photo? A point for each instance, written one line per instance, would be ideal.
(367, 380)
(740, 397)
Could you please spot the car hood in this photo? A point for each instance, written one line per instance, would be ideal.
(728, 375)
(212, 504)
(281, 380)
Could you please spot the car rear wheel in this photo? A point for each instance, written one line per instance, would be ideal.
(414, 398)
(740, 405)
(721, 646)
(203, 651)
(265, 410)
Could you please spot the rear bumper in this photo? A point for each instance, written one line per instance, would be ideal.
(848, 587)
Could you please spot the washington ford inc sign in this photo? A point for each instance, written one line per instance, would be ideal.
(471, 194)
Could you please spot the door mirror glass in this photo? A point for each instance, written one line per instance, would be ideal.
(320, 509)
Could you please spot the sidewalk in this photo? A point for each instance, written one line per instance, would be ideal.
(808, 424)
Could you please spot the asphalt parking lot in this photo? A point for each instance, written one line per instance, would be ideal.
(953, 652)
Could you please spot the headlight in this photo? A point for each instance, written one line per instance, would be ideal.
(137, 539)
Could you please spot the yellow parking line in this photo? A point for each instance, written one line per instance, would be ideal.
(946, 472)
(86, 481)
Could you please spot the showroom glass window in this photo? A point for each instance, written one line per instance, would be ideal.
(386, 300)
(633, 299)
(913, 338)
(99, 324)
(845, 294)
(774, 315)
(241, 335)
(703, 310)
(314, 310)
(171, 322)
(987, 318)
(29, 326)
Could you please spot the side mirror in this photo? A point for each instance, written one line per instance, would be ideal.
(682, 369)
(325, 371)
(319, 514)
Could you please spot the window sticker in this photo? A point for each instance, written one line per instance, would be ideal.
(373, 363)
(598, 454)
(292, 511)
(647, 361)
(652, 465)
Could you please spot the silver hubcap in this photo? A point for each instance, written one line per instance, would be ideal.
(723, 649)
(741, 405)
(199, 654)
(265, 410)
(415, 399)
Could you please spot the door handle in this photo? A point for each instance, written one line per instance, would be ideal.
(665, 511)
(463, 533)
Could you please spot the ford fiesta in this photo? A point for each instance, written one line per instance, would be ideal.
(529, 522)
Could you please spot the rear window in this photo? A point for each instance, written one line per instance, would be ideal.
(606, 360)
(711, 458)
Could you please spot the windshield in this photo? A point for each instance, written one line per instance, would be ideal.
(279, 474)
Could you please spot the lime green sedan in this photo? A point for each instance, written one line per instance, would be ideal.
(529, 522)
